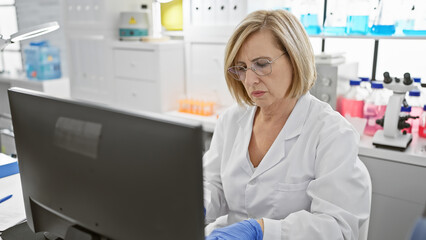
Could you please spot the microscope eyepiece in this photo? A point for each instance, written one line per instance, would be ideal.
(407, 79)
(387, 79)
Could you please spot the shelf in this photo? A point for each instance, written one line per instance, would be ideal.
(375, 37)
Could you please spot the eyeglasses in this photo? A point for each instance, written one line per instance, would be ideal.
(261, 67)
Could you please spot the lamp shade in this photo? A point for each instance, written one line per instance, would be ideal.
(34, 31)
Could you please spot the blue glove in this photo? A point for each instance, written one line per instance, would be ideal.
(419, 231)
(245, 230)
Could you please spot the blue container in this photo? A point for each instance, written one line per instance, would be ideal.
(357, 25)
(335, 31)
(42, 61)
(310, 22)
(383, 29)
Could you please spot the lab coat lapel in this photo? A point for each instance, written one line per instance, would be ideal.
(292, 128)
(240, 148)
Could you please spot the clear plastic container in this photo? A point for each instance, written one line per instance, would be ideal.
(42, 61)
(416, 104)
(374, 108)
(422, 123)
(415, 23)
(335, 21)
(405, 111)
(352, 102)
(384, 21)
(358, 17)
(310, 16)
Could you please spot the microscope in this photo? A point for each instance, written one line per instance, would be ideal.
(392, 123)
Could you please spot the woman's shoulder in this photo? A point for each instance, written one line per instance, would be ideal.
(327, 119)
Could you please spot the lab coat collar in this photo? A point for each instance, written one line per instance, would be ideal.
(276, 152)
(294, 125)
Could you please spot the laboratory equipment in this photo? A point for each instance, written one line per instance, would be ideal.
(414, 100)
(332, 81)
(107, 173)
(384, 21)
(134, 25)
(422, 123)
(42, 61)
(405, 112)
(374, 108)
(392, 122)
(352, 102)
(335, 21)
(358, 17)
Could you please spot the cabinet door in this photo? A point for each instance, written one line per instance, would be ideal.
(90, 73)
(137, 95)
(135, 64)
(398, 198)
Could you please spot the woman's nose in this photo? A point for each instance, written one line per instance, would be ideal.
(251, 77)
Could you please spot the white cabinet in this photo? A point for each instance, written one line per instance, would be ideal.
(399, 192)
(148, 76)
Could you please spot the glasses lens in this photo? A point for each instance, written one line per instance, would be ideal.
(262, 67)
(238, 73)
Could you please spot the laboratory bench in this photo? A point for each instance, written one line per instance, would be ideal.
(55, 87)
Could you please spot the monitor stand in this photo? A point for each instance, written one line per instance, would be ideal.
(78, 233)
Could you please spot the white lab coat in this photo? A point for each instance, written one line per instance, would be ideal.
(309, 185)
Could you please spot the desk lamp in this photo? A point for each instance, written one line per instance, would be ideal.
(156, 22)
(28, 33)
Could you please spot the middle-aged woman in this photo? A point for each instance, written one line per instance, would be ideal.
(282, 164)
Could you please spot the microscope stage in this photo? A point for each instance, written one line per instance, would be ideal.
(400, 142)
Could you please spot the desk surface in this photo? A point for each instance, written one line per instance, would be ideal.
(12, 211)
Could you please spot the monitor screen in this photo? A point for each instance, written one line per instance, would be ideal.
(106, 172)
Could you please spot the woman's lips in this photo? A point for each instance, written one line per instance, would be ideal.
(257, 93)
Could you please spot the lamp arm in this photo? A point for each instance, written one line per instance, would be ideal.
(3, 42)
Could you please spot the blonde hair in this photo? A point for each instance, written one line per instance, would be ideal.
(290, 36)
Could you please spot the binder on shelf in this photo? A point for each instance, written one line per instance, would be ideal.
(222, 12)
(208, 11)
(196, 12)
(237, 11)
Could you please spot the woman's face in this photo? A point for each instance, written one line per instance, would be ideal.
(269, 89)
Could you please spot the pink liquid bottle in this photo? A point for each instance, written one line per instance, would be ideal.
(351, 104)
(422, 124)
(374, 108)
(405, 111)
(414, 101)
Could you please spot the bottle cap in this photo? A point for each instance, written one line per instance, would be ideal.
(414, 93)
(39, 44)
(364, 79)
(424, 107)
(376, 85)
(354, 82)
(417, 79)
(406, 109)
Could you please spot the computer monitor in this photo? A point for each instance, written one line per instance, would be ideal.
(88, 170)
